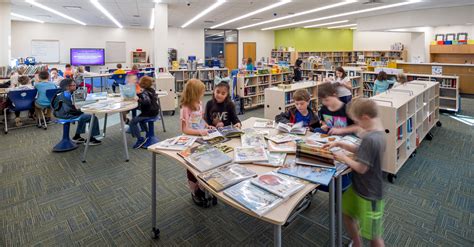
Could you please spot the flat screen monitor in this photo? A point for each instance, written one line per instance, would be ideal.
(87, 56)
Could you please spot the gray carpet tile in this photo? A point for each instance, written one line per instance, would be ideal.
(52, 199)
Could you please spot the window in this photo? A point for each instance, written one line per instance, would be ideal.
(215, 41)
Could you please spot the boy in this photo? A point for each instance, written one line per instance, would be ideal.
(363, 202)
(42, 102)
(334, 119)
(119, 69)
(68, 72)
(301, 112)
(65, 109)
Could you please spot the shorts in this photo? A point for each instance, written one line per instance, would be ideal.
(368, 213)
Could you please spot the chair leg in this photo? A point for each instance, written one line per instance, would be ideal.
(44, 119)
(66, 143)
(150, 134)
(6, 120)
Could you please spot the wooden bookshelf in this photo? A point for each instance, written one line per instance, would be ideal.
(286, 56)
(139, 57)
(357, 86)
(346, 58)
(206, 75)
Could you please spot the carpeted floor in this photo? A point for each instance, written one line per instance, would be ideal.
(52, 199)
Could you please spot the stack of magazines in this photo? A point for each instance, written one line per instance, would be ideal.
(205, 157)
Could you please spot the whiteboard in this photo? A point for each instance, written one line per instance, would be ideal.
(45, 51)
(115, 52)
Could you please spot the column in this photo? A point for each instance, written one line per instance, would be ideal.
(160, 35)
(5, 33)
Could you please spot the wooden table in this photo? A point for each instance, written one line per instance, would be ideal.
(279, 215)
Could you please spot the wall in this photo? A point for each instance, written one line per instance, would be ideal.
(188, 42)
(265, 41)
(379, 40)
(469, 29)
(315, 39)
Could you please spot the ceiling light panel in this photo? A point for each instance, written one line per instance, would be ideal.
(327, 24)
(204, 12)
(105, 12)
(39, 5)
(26, 18)
(343, 26)
(152, 19)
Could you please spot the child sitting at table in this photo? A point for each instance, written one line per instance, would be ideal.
(55, 77)
(301, 112)
(148, 106)
(64, 108)
(119, 69)
(79, 78)
(15, 76)
(23, 83)
(68, 71)
(220, 110)
(42, 102)
(131, 79)
(134, 70)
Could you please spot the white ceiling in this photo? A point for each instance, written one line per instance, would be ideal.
(137, 13)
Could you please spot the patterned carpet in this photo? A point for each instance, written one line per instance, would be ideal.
(52, 199)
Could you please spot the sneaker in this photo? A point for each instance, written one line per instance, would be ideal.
(140, 142)
(18, 122)
(94, 142)
(78, 139)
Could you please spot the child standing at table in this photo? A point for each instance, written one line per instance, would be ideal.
(344, 85)
(42, 102)
(192, 123)
(220, 110)
(134, 70)
(382, 83)
(119, 69)
(362, 203)
(301, 112)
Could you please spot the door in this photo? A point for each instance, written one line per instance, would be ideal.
(250, 50)
(231, 56)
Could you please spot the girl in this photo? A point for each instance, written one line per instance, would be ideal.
(68, 71)
(55, 77)
(401, 80)
(134, 70)
(192, 123)
(250, 66)
(220, 110)
(131, 79)
(344, 85)
(382, 83)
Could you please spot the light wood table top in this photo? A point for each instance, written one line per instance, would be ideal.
(114, 105)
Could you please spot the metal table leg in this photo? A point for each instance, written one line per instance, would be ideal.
(339, 210)
(124, 135)
(105, 124)
(154, 230)
(161, 115)
(89, 134)
(277, 235)
(332, 216)
(92, 84)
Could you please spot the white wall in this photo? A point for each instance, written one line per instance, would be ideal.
(455, 29)
(378, 40)
(188, 42)
(265, 42)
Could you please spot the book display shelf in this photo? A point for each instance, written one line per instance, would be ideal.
(344, 58)
(206, 75)
(284, 56)
(408, 113)
(357, 87)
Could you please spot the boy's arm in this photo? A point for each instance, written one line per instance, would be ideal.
(354, 165)
(283, 117)
(346, 130)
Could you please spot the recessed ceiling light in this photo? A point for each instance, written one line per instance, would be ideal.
(204, 12)
(26, 18)
(343, 26)
(152, 19)
(105, 12)
(135, 24)
(326, 24)
(39, 5)
(272, 6)
(73, 7)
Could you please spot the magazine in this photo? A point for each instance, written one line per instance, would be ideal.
(254, 198)
(297, 128)
(278, 184)
(211, 134)
(286, 147)
(230, 131)
(225, 176)
(253, 140)
(323, 138)
(274, 159)
(250, 154)
(260, 123)
(318, 175)
(212, 141)
(205, 157)
(176, 143)
(280, 138)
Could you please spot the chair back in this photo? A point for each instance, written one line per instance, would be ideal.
(22, 100)
(51, 92)
(112, 70)
(140, 74)
(119, 78)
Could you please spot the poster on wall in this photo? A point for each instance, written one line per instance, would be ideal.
(436, 70)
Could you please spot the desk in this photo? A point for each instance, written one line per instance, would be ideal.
(122, 106)
(93, 75)
(279, 215)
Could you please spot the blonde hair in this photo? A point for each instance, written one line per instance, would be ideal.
(361, 106)
(192, 93)
(135, 67)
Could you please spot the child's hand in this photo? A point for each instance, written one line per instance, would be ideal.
(341, 156)
(210, 127)
(220, 124)
(336, 131)
(325, 127)
(238, 125)
(331, 145)
(203, 132)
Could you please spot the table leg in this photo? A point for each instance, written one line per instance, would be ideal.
(105, 124)
(89, 134)
(332, 217)
(92, 84)
(154, 230)
(277, 235)
(339, 210)
(161, 115)
(124, 135)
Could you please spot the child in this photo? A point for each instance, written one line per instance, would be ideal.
(119, 69)
(243, 66)
(335, 120)
(220, 110)
(131, 79)
(148, 105)
(24, 83)
(382, 83)
(344, 85)
(250, 66)
(192, 123)
(401, 80)
(55, 77)
(134, 70)
(79, 78)
(362, 203)
(68, 72)
(42, 102)
(297, 70)
(15, 76)
(65, 109)
(301, 112)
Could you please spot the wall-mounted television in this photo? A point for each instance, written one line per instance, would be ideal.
(87, 56)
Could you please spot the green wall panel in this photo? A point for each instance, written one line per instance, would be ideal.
(315, 39)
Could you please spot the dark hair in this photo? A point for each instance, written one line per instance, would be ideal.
(327, 89)
(298, 62)
(43, 75)
(65, 83)
(53, 69)
(119, 66)
(340, 69)
(68, 65)
(382, 76)
(249, 60)
(226, 86)
(23, 80)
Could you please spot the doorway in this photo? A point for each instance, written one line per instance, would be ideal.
(250, 50)
(231, 53)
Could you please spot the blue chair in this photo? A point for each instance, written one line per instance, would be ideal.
(119, 79)
(22, 100)
(150, 132)
(60, 73)
(112, 70)
(140, 74)
(66, 144)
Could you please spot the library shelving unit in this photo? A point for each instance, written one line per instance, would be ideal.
(408, 113)
(206, 75)
(357, 87)
(286, 56)
(250, 88)
(139, 57)
(164, 82)
(344, 58)
(278, 100)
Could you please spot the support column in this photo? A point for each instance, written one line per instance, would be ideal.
(160, 35)
(5, 33)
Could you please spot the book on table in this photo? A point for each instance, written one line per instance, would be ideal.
(274, 159)
(323, 138)
(261, 123)
(254, 198)
(226, 131)
(178, 143)
(205, 157)
(282, 137)
(281, 185)
(285, 147)
(313, 154)
(225, 176)
(250, 154)
(252, 139)
(297, 128)
(313, 174)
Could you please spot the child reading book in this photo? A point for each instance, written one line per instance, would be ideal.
(301, 112)
(382, 83)
(131, 79)
(42, 102)
(220, 110)
(362, 203)
(334, 119)
(343, 85)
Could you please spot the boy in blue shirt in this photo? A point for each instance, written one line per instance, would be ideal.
(42, 102)
(301, 112)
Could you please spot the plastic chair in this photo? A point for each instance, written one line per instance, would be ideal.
(140, 74)
(66, 144)
(150, 132)
(22, 100)
(112, 70)
(119, 79)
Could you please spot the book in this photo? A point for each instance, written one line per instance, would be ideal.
(297, 128)
(225, 176)
(278, 184)
(285, 147)
(213, 141)
(309, 153)
(264, 123)
(250, 154)
(205, 157)
(176, 144)
(323, 138)
(230, 131)
(313, 174)
(211, 134)
(253, 198)
(250, 139)
(274, 159)
(280, 138)
(224, 148)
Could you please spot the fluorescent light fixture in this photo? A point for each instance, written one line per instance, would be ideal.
(204, 12)
(343, 26)
(152, 20)
(272, 6)
(39, 5)
(106, 13)
(353, 28)
(344, 14)
(26, 18)
(327, 23)
(301, 13)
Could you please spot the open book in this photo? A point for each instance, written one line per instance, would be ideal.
(318, 175)
(297, 128)
(250, 154)
(278, 184)
(178, 143)
(226, 131)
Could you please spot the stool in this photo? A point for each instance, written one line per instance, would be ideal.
(66, 144)
(150, 132)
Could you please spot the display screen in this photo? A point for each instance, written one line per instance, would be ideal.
(87, 56)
